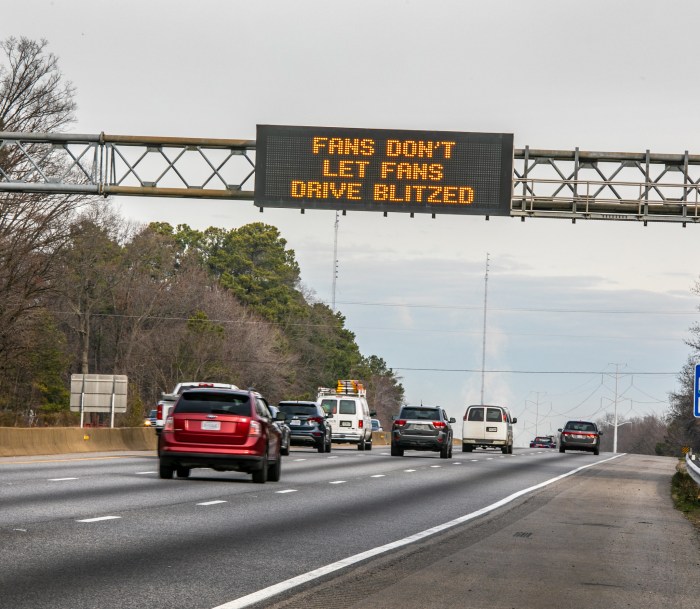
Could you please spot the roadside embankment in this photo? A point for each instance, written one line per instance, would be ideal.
(21, 441)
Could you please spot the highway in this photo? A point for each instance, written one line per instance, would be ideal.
(102, 531)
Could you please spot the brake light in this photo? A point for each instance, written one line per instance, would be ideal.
(399, 422)
(169, 424)
(505, 418)
(159, 411)
(254, 429)
(439, 424)
(360, 423)
(315, 420)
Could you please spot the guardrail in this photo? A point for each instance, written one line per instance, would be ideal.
(693, 467)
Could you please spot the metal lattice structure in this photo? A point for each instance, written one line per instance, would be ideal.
(546, 183)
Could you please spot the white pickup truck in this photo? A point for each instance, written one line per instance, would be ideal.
(167, 400)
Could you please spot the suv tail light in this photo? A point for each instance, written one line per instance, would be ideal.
(399, 422)
(439, 424)
(254, 429)
(318, 420)
(169, 424)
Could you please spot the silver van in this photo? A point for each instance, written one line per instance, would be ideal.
(487, 426)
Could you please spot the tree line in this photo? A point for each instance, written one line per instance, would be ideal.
(84, 291)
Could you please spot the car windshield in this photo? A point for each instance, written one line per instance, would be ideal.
(213, 403)
(428, 414)
(298, 409)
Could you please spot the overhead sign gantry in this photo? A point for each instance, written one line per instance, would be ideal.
(362, 169)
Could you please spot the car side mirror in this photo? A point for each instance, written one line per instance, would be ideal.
(453, 420)
(559, 429)
(373, 413)
(600, 433)
(515, 420)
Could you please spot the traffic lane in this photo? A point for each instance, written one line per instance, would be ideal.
(608, 537)
(216, 552)
(90, 488)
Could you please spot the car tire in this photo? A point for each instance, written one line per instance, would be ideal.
(467, 448)
(596, 451)
(361, 444)
(510, 449)
(260, 475)
(368, 445)
(504, 449)
(274, 471)
(183, 472)
(165, 471)
(321, 447)
(445, 452)
(562, 449)
(396, 451)
(328, 445)
(284, 451)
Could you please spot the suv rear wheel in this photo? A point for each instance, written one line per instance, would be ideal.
(274, 471)
(165, 471)
(260, 475)
(183, 472)
(396, 451)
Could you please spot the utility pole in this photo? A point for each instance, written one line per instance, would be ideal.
(335, 259)
(483, 346)
(617, 371)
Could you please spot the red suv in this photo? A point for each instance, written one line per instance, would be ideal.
(225, 430)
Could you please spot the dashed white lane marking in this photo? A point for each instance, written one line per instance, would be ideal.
(279, 588)
(436, 466)
(338, 482)
(333, 457)
(144, 473)
(289, 490)
(99, 519)
(60, 479)
(475, 460)
(378, 476)
(299, 459)
(409, 470)
(212, 502)
(456, 463)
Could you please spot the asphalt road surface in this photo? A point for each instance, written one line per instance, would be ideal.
(344, 530)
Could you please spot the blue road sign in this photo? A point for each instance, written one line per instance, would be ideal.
(696, 401)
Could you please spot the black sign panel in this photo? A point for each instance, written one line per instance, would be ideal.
(384, 170)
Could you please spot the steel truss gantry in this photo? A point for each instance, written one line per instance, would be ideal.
(646, 187)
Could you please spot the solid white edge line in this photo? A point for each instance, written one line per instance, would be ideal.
(266, 593)
(215, 502)
(60, 479)
(99, 519)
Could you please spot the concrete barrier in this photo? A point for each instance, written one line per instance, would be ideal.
(21, 441)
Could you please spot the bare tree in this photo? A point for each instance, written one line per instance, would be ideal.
(33, 228)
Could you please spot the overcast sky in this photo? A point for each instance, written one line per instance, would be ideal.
(574, 303)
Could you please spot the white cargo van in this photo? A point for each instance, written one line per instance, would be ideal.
(487, 427)
(348, 413)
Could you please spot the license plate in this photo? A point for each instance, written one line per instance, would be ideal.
(579, 437)
(346, 423)
(211, 425)
(295, 422)
(492, 429)
(419, 426)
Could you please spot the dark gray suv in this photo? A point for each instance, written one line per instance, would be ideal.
(580, 435)
(307, 424)
(422, 428)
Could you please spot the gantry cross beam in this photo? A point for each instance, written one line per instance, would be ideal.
(645, 187)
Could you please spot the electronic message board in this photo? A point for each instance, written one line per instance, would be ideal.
(383, 170)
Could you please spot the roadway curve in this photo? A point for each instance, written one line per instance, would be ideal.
(104, 531)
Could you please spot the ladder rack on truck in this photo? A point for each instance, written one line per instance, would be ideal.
(344, 387)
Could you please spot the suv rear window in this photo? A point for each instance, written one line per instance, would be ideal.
(428, 414)
(299, 409)
(213, 403)
(581, 426)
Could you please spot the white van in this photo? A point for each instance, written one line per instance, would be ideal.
(487, 427)
(348, 413)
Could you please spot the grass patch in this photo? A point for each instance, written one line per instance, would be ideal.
(685, 493)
